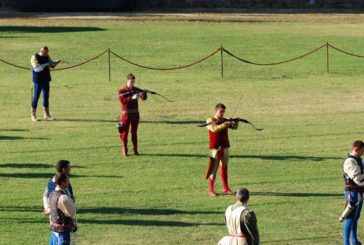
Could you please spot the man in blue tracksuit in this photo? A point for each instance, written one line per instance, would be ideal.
(354, 188)
(41, 62)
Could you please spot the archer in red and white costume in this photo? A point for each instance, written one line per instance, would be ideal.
(129, 117)
(219, 146)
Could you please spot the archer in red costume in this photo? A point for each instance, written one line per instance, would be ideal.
(129, 118)
(219, 146)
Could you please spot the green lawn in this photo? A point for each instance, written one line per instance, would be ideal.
(292, 168)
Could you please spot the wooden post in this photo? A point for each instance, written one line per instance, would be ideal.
(109, 64)
(327, 58)
(222, 61)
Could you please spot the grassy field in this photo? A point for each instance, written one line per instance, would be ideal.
(292, 168)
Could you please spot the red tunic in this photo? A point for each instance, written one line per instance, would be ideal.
(219, 139)
(129, 107)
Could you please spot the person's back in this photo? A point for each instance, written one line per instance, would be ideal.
(241, 222)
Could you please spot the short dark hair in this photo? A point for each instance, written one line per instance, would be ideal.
(358, 144)
(60, 178)
(61, 164)
(130, 76)
(242, 194)
(45, 48)
(220, 106)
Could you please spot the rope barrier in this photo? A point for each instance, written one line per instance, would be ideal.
(82, 63)
(167, 69)
(59, 69)
(274, 63)
(344, 52)
(10, 64)
(220, 49)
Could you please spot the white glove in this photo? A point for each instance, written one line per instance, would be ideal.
(135, 96)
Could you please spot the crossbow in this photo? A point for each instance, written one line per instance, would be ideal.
(230, 120)
(131, 93)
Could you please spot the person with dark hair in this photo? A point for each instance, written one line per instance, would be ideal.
(354, 188)
(62, 166)
(219, 147)
(41, 62)
(129, 118)
(241, 222)
(62, 212)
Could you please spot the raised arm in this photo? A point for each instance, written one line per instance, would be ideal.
(213, 127)
(35, 64)
(125, 96)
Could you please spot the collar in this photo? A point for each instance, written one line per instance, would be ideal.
(356, 158)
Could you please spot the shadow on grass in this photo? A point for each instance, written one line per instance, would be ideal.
(84, 120)
(114, 210)
(30, 165)
(262, 157)
(3, 137)
(47, 29)
(142, 211)
(148, 122)
(174, 122)
(14, 129)
(48, 175)
(286, 194)
(130, 222)
(136, 222)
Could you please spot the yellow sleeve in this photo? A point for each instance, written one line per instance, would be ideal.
(34, 61)
(215, 128)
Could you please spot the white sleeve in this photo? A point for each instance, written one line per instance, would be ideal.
(67, 206)
(45, 199)
(40, 67)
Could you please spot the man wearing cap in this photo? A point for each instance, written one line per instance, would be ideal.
(354, 188)
(41, 62)
(129, 118)
(62, 213)
(241, 222)
(219, 147)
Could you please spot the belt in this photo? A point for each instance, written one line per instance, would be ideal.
(130, 111)
(238, 236)
(354, 188)
(62, 225)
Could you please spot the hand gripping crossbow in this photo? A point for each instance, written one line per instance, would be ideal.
(237, 119)
(144, 91)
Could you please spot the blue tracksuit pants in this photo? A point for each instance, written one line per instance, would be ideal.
(351, 222)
